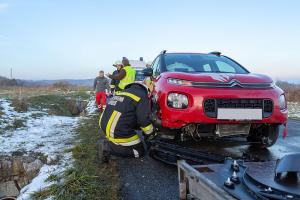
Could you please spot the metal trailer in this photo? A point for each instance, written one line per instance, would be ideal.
(236, 179)
(194, 185)
(208, 176)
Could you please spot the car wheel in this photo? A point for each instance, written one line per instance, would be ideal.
(264, 136)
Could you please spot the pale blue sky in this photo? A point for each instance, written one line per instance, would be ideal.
(54, 39)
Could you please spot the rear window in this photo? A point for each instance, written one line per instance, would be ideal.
(139, 76)
(201, 63)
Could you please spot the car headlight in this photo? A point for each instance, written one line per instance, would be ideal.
(176, 100)
(282, 102)
(179, 82)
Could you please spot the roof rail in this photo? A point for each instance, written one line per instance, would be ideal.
(163, 51)
(217, 53)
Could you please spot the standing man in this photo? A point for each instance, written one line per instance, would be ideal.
(101, 84)
(126, 75)
(126, 112)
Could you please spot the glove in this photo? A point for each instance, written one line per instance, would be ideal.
(151, 136)
(152, 117)
(109, 95)
(149, 139)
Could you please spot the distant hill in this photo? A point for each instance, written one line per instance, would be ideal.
(19, 82)
(78, 82)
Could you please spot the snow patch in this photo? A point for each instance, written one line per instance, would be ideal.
(10, 115)
(46, 134)
(39, 182)
(294, 109)
(91, 107)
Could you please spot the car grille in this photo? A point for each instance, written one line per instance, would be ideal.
(211, 105)
(233, 84)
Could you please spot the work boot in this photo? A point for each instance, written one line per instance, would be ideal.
(103, 150)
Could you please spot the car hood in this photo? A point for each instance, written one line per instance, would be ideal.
(219, 77)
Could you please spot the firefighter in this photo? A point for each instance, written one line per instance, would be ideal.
(125, 112)
(126, 75)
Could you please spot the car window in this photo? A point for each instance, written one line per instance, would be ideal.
(224, 67)
(155, 67)
(139, 76)
(201, 63)
(207, 68)
(179, 67)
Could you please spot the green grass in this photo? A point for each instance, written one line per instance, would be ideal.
(58, 104)
(1, 111)
(17, 123)
(26, 92)
(88, 178)
(84, 95)
(37, 115)
(53, 104)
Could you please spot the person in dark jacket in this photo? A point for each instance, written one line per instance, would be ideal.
(126, 112)
(125, 76)
(114, 84)
(101, 84)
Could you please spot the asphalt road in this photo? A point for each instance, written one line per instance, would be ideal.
(147, 178)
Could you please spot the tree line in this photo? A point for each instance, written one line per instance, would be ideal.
(9, 82)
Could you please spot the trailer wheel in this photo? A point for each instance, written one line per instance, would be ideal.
(264, 136)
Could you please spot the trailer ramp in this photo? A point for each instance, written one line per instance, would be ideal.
(241, 180)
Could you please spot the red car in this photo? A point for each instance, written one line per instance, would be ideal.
(210, 95)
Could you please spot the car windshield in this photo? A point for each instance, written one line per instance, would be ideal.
(201, 63)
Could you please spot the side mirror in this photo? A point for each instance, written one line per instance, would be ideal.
(147, 72)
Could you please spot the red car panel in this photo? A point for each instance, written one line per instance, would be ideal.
(199, 86)
(177, 118)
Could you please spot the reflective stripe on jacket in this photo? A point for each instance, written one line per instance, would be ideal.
(124, 113)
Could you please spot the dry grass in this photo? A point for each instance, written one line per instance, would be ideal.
(292, 91)
(24, 92)
(20, 104)
(56, 100)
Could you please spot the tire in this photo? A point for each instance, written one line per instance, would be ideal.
(264, 136)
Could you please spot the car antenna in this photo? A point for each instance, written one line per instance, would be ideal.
(163, 51)
(217, 53)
